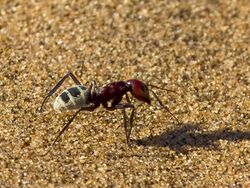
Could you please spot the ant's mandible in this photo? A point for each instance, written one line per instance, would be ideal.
(82, 98)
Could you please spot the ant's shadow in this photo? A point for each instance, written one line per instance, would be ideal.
(191, 135)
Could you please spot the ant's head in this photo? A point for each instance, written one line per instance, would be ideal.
(139, 90)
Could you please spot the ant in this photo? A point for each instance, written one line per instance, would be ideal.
(82, 98)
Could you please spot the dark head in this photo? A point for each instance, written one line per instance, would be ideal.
(139, 90)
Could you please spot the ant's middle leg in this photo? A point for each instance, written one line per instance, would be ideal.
(54, 89)
(133, 111)
(126, 128)
(125, 125)
(131, 115)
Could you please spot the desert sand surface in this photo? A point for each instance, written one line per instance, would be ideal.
(199, 49)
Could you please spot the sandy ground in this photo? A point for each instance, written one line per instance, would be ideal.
(200, 49)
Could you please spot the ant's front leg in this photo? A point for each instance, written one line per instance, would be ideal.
(52, 91)
(164, 107)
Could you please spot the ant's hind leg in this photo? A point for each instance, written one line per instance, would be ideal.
(61, 132)
(52, 91)
(66, 126)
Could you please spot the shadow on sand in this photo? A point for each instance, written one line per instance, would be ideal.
(193, 136)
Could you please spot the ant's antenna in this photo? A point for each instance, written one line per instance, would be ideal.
(169, 90)
(166, 108)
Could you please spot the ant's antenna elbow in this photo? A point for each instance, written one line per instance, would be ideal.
(163, 106)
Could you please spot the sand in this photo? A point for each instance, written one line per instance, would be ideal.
(199, 49)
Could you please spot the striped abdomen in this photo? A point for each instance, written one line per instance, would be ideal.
(72, 98)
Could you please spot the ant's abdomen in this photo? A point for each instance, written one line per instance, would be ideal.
(72, 98)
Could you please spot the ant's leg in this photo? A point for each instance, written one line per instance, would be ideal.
(123, 107)
(96, 89)
(165, 107)
(131, 115)
(93, 89)
(125, 124)
(128, 99)
(69, 74)
(133, 110)
(91, 108)
(61, 132)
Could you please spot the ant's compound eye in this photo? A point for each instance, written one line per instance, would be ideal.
(143, 88)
